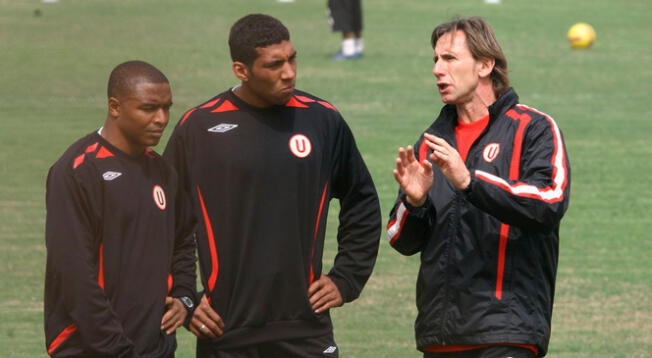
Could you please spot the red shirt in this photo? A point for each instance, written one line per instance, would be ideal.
(438, 348)
(467, 133)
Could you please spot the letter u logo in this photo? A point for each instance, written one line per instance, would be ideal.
(159, 197)
(490, 152)
(300, 145)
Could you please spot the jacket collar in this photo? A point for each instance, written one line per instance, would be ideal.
(448, 115)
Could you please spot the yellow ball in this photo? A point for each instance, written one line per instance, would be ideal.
(581, 35)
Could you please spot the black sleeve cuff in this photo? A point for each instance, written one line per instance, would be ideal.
(418, 211)
(343, 287)
(466, 193)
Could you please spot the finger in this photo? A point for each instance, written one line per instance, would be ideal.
(402, 156)
(167, 317)
(214, 330)
(209, 314)
(326, 305)
(433, 138)
(433, 145)
(202, 330)
(443, 143)
(427, 167)
(315, 286)
(176, 324)
(197, 332)
(400, 168)
(169, 300)
(397, 177)
(437, 159)
(211, 320)
(410, 155)
(322, 303)
(316, 297)
(215, 318)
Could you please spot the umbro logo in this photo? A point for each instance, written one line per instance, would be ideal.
(222, 127)
(330, 350)
(108, 176)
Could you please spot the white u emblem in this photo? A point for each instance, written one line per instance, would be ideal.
(300, 145)
(490, 152)
(159, 197)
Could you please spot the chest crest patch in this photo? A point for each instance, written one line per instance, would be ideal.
(490, 152)
(300, 145)
(159, 197)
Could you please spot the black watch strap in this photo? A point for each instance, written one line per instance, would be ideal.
(190, 306)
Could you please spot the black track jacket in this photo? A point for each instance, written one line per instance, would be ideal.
(114, 252)
(261, 180)
(489, 254)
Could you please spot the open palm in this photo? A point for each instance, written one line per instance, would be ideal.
(414, 178)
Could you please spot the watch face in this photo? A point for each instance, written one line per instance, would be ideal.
(186, 301)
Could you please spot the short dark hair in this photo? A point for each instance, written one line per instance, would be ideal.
(252, 31)
(125, 75)
(483, 45)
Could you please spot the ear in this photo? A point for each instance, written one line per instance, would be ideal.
(114, 107)
(241, 71)
(486, 66)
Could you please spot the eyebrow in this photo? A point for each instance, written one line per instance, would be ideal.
(280, 61)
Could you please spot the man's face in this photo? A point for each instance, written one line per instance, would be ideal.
(143, 114)
(457, 72)
(272, 76)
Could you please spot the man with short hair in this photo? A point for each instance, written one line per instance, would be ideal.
(262, 161)
(481, 198)
(120, 275)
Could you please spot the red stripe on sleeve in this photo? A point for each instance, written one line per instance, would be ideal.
(185, 116)
(61, 337)
(550, 194)
(311, 279)
(91, 148)
(211, 243)
(226, 106)
(395, 226)
(100, 273)
(294, 103)
(211, 103)
(103, 153)
(78, 161)
(327, 105)
(305, 99)
(518, 145)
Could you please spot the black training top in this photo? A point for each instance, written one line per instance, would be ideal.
(114, 252)
(261, 181)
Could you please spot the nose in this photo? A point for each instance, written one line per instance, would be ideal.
(289, 71)
(437, 69)
(162, 117)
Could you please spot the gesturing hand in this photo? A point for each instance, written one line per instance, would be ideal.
(205, 322)
(449, 161)
(324, 294)
(414, 178)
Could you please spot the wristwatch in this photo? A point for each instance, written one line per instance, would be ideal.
(189, 305)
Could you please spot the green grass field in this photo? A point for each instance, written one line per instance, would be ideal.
(53, 73)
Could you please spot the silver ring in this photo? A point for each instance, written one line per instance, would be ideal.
(203, 327)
